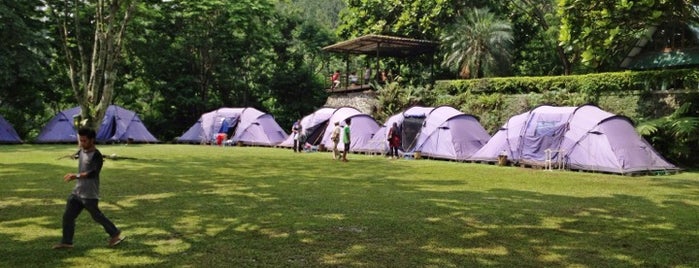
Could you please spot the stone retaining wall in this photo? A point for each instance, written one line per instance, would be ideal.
(364, 101)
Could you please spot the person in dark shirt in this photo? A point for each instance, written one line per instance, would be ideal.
(85, 194)
(394, 140)
(296, 129)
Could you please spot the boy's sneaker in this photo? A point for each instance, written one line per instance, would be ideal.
(62, 246)
(116, 239)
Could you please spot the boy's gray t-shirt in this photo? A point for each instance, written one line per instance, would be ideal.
(88, 187)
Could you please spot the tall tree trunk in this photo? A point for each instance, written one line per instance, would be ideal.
(93, 79)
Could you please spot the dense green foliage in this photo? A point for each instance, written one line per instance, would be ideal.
(180, 59)
(601, 32)
(191, 57)
(196, 56)
(23, 56)
(677, 133)
(417, 19)
(537, 51)
(183, 58)
(209, 206)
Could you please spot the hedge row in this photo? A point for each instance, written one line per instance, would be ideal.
(589, 84)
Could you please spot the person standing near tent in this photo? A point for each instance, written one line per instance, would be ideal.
(346, 139)
(296, 133)
(85, 194)
(335, 137)
(394, 140)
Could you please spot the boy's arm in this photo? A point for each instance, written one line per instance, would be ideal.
(95, 166)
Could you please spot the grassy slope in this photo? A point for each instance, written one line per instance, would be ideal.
(186, 205)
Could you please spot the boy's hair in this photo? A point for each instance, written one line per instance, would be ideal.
(87, 132)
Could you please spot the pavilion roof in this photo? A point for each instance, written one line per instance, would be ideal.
(384, 46)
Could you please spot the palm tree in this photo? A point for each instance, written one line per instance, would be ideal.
(477, 44)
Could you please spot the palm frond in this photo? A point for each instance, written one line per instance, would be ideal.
(685, 127)
(646, 129)
(474, 39)
(651, 127)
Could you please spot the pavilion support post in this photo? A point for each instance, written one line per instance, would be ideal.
(378, 64)
(347, 64)
(432, 60)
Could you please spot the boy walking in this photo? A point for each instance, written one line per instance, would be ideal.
(85, 194)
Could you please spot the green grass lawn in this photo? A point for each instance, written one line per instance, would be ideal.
(207, 206)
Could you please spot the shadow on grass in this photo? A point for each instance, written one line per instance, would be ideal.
(274, 210)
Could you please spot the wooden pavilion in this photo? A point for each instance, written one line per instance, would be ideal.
(378, 46)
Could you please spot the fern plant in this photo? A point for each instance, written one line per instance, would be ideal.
(676, 135)
(394, 98)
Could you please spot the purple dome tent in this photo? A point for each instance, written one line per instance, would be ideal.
(245, 125)
(8, 133)
(583, 138)
(317, 128)
(258, 128)
(416, 115)
(118, 125)
(448, 133)
(362, 129)
(379, 141)
(60, 129)
(438, 132)
(312, 127)
(222, 120)
(504, 141)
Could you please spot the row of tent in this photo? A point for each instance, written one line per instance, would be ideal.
(442, 132)
(118, 125)
(248, 126)
(582, 138)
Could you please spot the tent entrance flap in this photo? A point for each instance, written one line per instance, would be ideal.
(315, 133)
(410, 129)
(547, 136)
(228, 126)
(112, 128)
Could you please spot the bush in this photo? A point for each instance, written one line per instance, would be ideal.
(589, 84)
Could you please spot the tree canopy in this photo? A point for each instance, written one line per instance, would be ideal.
(173, 60)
